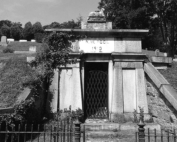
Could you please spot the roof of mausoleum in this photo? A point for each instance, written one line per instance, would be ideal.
(121, 33)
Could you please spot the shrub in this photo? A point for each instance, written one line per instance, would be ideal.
(8, 50)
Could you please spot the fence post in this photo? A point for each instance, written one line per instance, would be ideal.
(77, 132)
(141, 133)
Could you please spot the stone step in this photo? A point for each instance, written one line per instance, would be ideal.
(117, 127)
(109, 134)
(112, 139)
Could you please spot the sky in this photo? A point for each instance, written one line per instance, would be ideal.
(46, 11)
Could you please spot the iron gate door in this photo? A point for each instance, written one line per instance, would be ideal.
(96, 92)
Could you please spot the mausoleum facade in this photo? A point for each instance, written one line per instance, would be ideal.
(108, 80)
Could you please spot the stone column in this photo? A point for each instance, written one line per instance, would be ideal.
(110, 83)
(117, 95)
(141, 90)
(76, 101)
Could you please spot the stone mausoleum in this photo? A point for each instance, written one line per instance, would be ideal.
(108, 80)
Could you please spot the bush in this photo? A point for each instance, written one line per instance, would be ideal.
(8, 50)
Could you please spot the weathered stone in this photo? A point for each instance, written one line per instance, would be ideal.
(117, 100)
(128, 45)
(173, 118)
(32, 48)
(141, 91)
(157, 52)
(3, 41)
(154, 74)
(129, 90)
(70, 89)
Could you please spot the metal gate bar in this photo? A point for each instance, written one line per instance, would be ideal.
(96, 103)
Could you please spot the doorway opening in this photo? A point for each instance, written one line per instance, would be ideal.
(96, 90)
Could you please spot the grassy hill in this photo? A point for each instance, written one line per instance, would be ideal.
(23, 46)
(13, 74)
(14, 71)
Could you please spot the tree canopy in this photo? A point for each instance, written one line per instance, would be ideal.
(159, 16)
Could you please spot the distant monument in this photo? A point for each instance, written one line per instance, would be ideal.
(3, 41)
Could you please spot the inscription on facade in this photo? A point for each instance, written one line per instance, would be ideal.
(97, 45)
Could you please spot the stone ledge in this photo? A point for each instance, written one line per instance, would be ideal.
(6, 110)
(162, 84)
(167, 60)
(155, 75)
(170, 94)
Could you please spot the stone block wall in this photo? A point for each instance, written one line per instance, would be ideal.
(160, 109)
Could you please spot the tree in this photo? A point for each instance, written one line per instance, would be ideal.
(71, 25)
(166, 13)
(16, 31)
(156, 15)
(37, 28)
(38, 32)
(5, 31)
(28, 31)
(5, 22)
(126, 13)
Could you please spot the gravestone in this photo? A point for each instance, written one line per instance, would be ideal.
(32, 48)
(3, 41)
(22, 40)
(157, 52)
(9, 40)
(33, 40)
(30, 59)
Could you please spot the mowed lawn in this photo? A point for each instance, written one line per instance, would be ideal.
(22, 46)
(14, 72)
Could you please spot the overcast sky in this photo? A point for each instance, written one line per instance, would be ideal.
(45, 11)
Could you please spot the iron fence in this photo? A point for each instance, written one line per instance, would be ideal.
(63, 131)
(156, 136)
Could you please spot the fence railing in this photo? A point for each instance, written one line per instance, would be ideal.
(154, 135)
(63, 131)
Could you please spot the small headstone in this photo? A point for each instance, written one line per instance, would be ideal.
(22, 40)
(157, 52)
(9, 40)
(32, 48)
(3, 41)
(33, 40)
(29, 59)
(165, 54)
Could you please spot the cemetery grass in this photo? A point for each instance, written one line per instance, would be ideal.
(13, 74)
(21, 46)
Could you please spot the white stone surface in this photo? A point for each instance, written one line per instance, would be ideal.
(33, 40)
(22, 40)
(117, 97)
(110, 81)
(29, 59)
(141, 91)
(129, 90)
(32, 48)
(128, 45)
(10, 40)
(70, 89)
(3, 39)
(97, 45)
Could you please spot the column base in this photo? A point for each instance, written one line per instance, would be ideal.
(128, 117)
